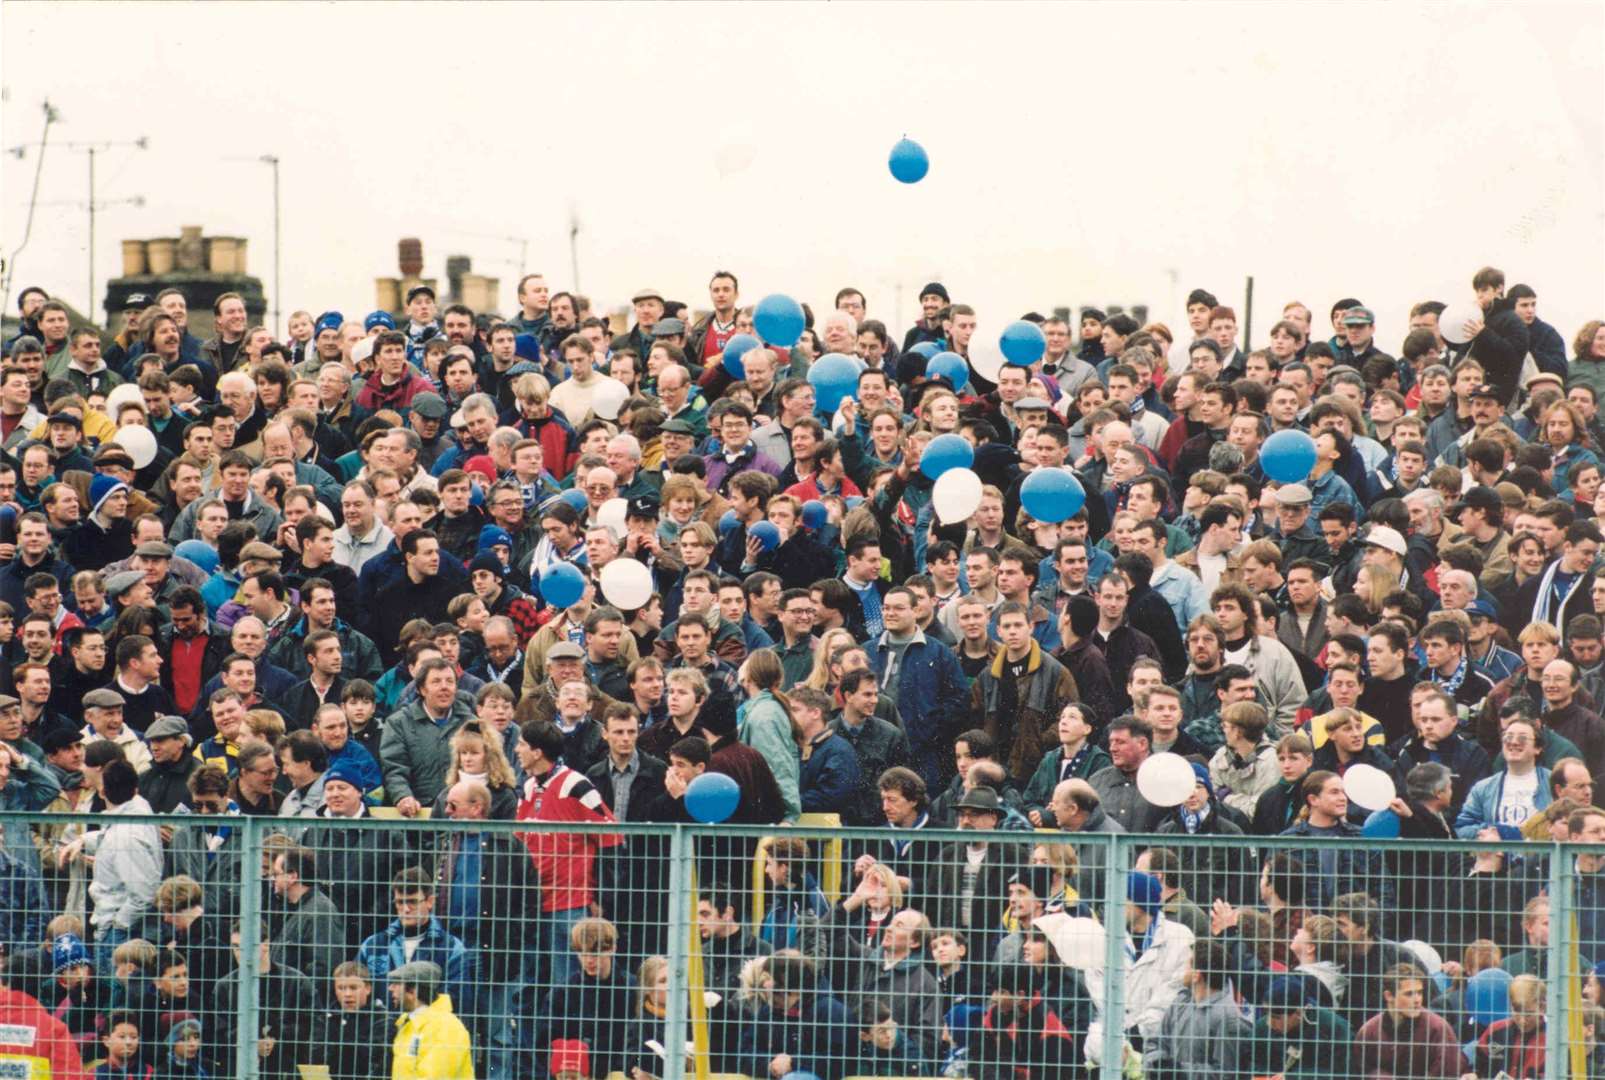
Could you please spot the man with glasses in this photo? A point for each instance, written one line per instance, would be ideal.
(253, 791)
(1564, 716)
(796, 648)
(1509, 797)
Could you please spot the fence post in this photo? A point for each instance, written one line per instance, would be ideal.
(1558, 988)
(249, 1027)
(681, 927)
(1114, 956)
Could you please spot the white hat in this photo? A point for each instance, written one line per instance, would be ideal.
(1383, 537)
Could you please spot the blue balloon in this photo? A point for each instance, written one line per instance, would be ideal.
(1288, 456)
(562, 585)
(926, 349)
(767, 533)
(908, 161)
(1023, 343)
(946, 452)
(1052, 495)
(576, 498)
(198, 552)
(728, 523)
(734, 350)
(951, 366)
(833, 377)
(712, 798)
(814, 515)
(1382, 825)
(1488, 996)
(779, 320)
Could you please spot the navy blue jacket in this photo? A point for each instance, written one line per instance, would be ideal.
(932, 695)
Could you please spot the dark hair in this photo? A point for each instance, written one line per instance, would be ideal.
(120, 782)
(692, 749)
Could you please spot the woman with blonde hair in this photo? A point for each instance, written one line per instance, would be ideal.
(1373, 586)
(766, 724)
(651, 1010)
(831, 640)
(474, 756)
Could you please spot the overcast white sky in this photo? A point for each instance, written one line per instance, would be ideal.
(1079, 153)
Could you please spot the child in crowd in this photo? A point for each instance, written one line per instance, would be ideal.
(355, 1037)
(121, 1042)
(597, 1005)
(183, 1060)
(883, 1050)
(361, 704)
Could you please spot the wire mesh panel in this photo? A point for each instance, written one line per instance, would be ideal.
(450, 948)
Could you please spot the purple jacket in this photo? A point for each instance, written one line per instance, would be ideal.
(721, 469)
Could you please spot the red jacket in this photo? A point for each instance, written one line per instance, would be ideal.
(566, 862)
(36, 1041)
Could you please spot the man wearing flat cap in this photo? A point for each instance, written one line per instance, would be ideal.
(165, 785)
(649, 306)
(431, 1043)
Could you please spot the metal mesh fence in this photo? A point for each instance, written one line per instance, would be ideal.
(433, 948)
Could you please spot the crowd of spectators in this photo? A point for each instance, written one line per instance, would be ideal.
(319, 599)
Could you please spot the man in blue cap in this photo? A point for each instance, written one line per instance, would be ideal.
(376, 321)
(1482, 646)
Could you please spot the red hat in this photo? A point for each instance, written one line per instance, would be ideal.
(483, 465)
(570, 1055)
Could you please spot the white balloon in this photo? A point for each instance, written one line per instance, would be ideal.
(139, 441)
(1368, 786)
(614, 513)
(956, 495)
(1166, 779)
(609, 398)
(124, 394)
(626, 584)
(1453, 318)
(986, 355)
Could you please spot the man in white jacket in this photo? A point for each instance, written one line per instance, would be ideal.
(1158, 953)
(128, 864)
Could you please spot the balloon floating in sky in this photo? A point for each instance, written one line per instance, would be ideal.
(1052, 495)
(908, 161)
(712, 798)
(562, 585)
(1023, 343)
(734, 350)
(1288, 456)
(779, 320)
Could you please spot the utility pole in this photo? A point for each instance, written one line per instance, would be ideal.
(574, 247)
(273, 160)
(10, 268)
(90, 149)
